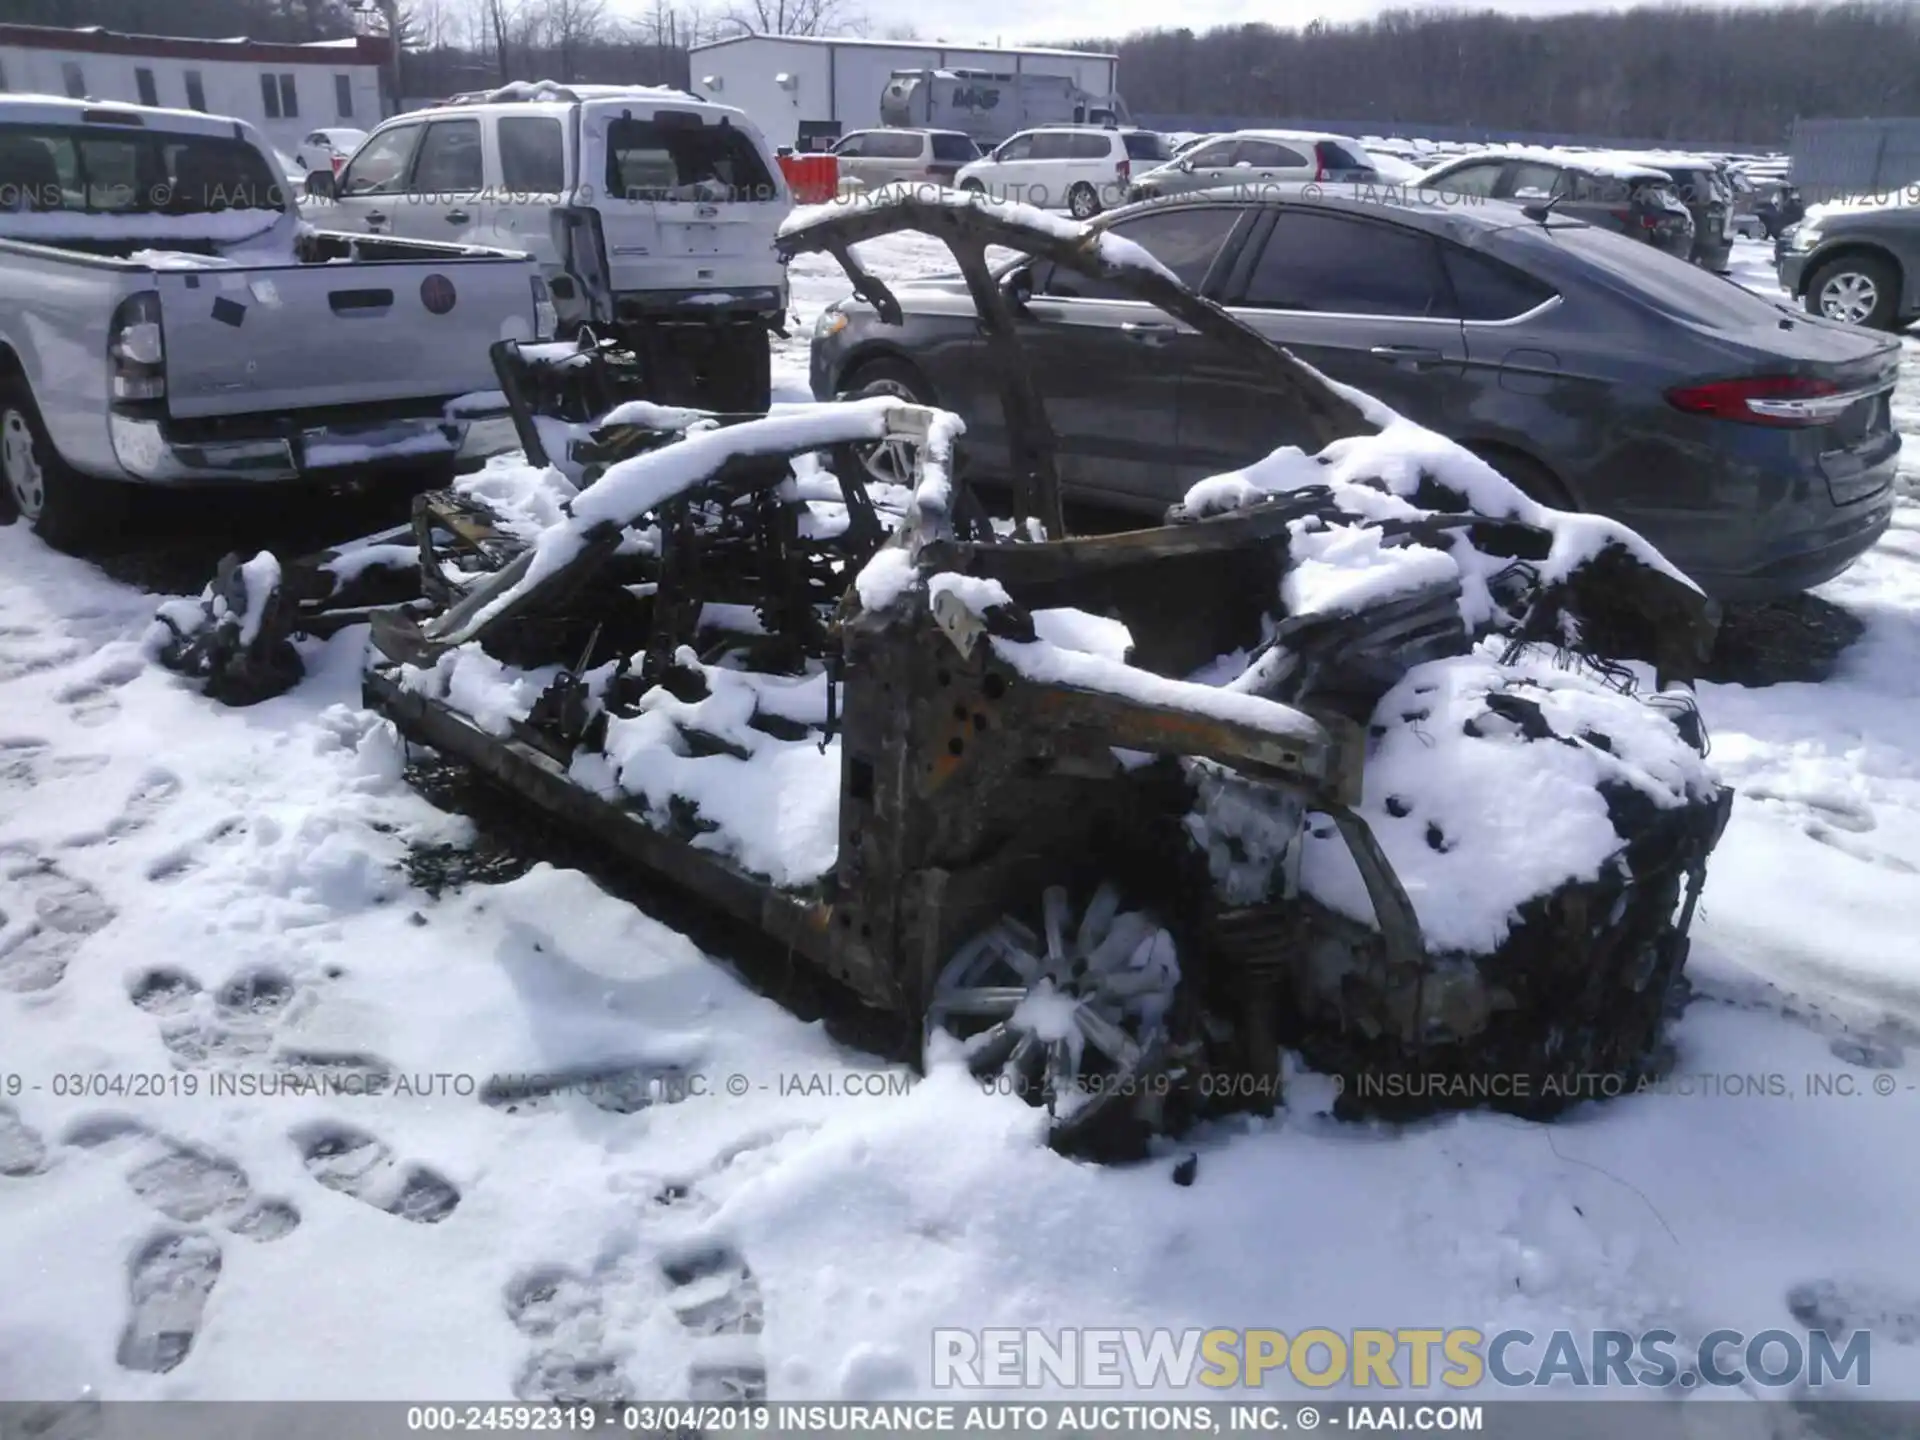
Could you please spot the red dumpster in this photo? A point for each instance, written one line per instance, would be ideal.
(812, 178)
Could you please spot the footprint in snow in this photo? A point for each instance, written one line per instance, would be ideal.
(45, 916)
(25, 651)
(26, 762)
(618, 1087)
(564, 1314)
(1850, 845)
(240, 1021)
(715, 1296)
(1840, 1306)
(363, 1167)
(168, 1285)
(190, 858)
(184, 1182)
(22, 1151)
(156, 790)
(92, 702)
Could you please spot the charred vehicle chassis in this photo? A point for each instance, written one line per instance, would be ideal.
(1101, 815)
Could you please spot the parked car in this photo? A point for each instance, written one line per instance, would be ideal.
(1183, 143)
(328, 150)
(1708, 195)
(1859, 264)
(644, 206)
(1259, 157)
(1078, 168)
(886, 157)
(1623, 195)
(1781, 207)
(166, 318)
(1754, 445)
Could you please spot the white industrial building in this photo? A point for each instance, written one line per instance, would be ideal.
(783, 81)
(285, 91)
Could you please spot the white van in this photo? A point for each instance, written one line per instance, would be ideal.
(1076, 168)
(647, 208)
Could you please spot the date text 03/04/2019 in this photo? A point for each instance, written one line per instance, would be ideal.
(895, 1420)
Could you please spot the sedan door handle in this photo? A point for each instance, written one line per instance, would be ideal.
(376, 217)
(1146, 332)
(458, 217)
(1413, 354)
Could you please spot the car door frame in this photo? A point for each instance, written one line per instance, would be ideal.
(372, 212)
(450, 216)
(1127, 476)
(1332, 330)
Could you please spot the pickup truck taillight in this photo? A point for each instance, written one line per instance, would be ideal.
(136, 349)
(546, 320)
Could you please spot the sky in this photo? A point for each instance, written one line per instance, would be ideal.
(1038, 22)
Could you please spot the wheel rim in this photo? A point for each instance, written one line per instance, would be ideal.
(26, 480)
(1849, 296)
(890, 462)
(1075, 1019)
(1082, 203)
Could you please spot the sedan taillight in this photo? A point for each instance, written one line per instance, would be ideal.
(1788, 401)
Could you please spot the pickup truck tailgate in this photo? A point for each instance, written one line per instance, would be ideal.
(252, 339)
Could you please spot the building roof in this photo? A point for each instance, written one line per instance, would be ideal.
(357, 50)
(933, 45)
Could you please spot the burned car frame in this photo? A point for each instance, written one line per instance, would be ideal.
(1041, 819)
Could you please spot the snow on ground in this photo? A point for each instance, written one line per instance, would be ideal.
(197, 897)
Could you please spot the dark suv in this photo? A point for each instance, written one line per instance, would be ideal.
(1708, 195)
(1621, 194)
(1753, 444)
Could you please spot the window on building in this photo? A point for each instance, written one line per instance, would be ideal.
(343, 96)
(196, 92)
(270, 96)
(289, 102)
(76, 82)
(149, 92)
(533, 157)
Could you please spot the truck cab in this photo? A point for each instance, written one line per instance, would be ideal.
(646, 207)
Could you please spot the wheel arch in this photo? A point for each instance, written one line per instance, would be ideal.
(872, 352)
(1495, 451)
(1820, 260)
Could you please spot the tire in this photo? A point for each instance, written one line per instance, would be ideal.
(60, 505)
(887, 376)
(973, 187)
(1528, 475)
(1857, 289)
(1082, 202)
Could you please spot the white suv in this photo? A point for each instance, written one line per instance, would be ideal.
(1072, 167)
(648, 210)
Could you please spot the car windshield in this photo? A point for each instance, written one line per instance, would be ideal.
(659, 159)
(118, 171)
(1145, 145)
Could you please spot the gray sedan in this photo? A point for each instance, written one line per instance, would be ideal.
(1753, 444)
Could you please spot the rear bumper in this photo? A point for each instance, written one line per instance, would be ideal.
(716, 304)
(158, 451)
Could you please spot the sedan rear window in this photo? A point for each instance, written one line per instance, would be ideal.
(130, 172)
(1667, 283)
(665, 159)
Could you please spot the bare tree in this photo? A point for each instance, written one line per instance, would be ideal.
(795, 17)
(572, 26)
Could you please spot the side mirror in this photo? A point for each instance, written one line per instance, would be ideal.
(1187, 166)
(323, 185)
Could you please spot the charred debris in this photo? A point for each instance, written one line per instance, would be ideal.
(1099, 812)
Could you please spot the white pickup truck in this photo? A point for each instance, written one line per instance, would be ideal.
(167, 318)
(654, 214)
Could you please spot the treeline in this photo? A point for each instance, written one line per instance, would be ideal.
(1691, 73)
(1685, 73)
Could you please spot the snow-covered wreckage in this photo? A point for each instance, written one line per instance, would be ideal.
(1361, 752)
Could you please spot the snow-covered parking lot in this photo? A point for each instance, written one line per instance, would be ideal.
(203, 908)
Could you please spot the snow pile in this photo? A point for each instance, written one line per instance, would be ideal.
(1489, 785)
